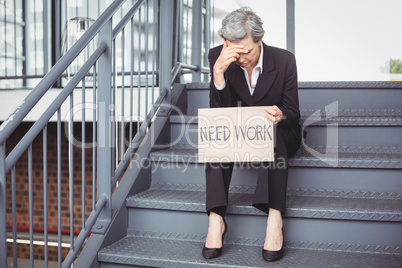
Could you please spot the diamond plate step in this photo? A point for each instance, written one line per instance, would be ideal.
(325, 179)
(349, 128)
(348, 117)
(302, 206)
(244, 189)
(315, 219)
(331, 156)
(306, 233)
(317, 95)
(155, 252)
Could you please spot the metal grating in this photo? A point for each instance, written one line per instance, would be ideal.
(307, 206)
(342, 117)
(331, 156)
(134, 250)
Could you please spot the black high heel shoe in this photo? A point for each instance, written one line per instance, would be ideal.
(210, 253)
(273, 255)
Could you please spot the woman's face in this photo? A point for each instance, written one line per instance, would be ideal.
(248, 60)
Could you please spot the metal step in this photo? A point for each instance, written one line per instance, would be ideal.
(345, 118)
(155, 251)
(312, 233)
(371, 97)
(330, 179)
(320, 156)
(364, 169)
(345, 130)
(303, 204)
(353, 221)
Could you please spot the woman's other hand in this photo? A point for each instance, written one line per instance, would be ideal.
(274, 114)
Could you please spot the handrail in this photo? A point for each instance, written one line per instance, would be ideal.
(181, 66)
(12, 122)
(28, 138)
(122, 23)
(178, 67)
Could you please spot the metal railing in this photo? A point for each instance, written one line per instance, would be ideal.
(146, 32)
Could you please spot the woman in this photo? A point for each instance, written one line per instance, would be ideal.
(247, 72)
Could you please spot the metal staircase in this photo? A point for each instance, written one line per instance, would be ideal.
(345, 183)
(344, 190)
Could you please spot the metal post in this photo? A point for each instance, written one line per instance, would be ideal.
(59, 186)
(35, 41)
(178, 57)
(166, 45)
(45, 204)
(14, 212)
(187, 31)
(154, 38)
(207, 35)
(56, 35)
(71, 169)
(196, 39)
(94, 139)
(25, 37)
(3, 213)
(104, 142)
(146, 54)
(30, 205)
(290, 25)
(5, 40)
(46, 50)
(15, 39)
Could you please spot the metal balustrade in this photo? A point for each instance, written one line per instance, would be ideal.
(146, 33)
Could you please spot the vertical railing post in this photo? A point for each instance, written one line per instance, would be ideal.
(290, 25)
(179, 33)
(166, 45)
(196, 39)
(56, 35)
(207, 35)
(104, 141)
(46, 52)
(3, 213)
(25, 38)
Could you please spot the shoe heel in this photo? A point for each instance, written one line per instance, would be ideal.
(210, 253)
(273, 255)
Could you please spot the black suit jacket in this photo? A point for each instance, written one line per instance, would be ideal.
(276, 85)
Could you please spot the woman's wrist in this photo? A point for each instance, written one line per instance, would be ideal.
(219, 78)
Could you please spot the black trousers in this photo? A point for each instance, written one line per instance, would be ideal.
(270, 191)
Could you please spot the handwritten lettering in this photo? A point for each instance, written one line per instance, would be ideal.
(223, 133)
(212, 133)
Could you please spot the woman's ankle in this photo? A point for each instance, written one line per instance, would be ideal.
(215, 230)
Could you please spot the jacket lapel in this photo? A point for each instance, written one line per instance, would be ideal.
(267, 78)
(240, 84)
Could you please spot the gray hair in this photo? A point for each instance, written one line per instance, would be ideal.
(240, 23)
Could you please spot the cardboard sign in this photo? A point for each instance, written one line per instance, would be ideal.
(239, 134)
